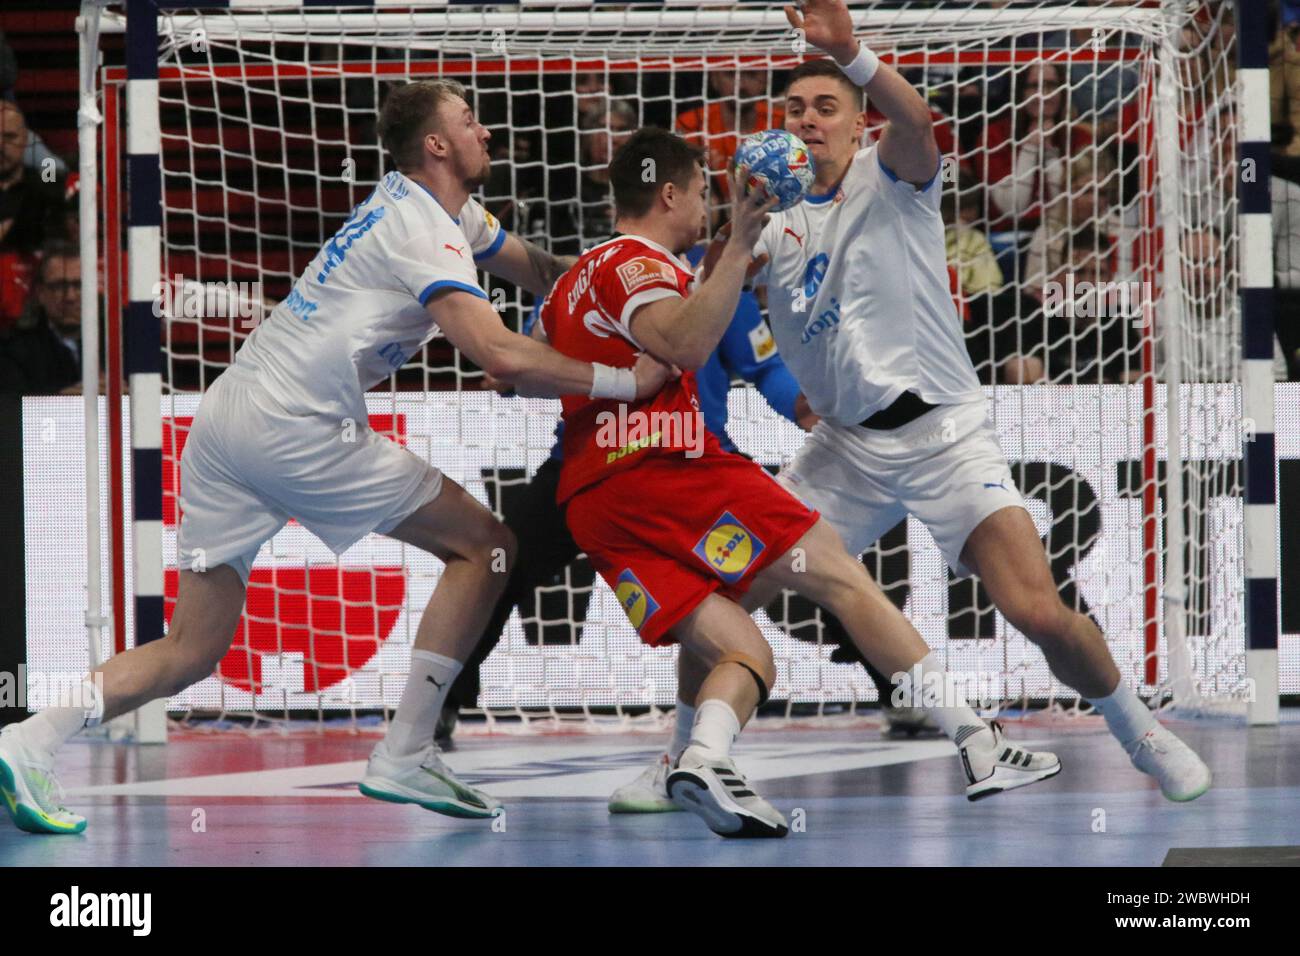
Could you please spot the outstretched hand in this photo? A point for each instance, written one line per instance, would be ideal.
(826, 24)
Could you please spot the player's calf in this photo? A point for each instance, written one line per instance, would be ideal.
(741, 673)
(885, 637)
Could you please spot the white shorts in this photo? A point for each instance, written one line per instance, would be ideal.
(249, 466)
(946, 468)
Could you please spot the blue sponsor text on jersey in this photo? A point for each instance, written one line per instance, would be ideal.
(300, 305)
(336, 250)
(826, 319)
(392, 354)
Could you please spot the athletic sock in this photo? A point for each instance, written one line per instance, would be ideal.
(412, 727)
(946, 705)
(716, 727)
(1127, 718)
(684, 723)
(50, 729)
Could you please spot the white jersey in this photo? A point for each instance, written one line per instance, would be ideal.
(858, 296)
(357, 313)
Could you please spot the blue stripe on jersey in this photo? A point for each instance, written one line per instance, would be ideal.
(433, 287)
(493, 249)
(894, 176)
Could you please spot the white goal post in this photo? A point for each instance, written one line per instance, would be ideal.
(233, 140)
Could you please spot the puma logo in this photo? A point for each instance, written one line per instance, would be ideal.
(429, 678)
(455, 249)
(797, 238)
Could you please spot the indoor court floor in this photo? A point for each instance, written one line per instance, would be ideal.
(290, 799)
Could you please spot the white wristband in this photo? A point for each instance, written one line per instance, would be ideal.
(610, 382)
(863, 67)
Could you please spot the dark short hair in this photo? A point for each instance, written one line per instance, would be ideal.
(409, 114)
(674, 161)
(57, 248)
(825, 67)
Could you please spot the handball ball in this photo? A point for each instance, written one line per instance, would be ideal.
(780, 163)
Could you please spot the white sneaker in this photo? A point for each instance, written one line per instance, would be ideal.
(1182, 774)
(29, 789)
(716, 792)
(648, 793)
(1004, 766)
(908, 722)
(423, 779)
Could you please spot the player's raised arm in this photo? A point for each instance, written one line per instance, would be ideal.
(907, 147)
(474, 327)
(685, 331)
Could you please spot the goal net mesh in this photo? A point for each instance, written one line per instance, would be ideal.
(1060, 184)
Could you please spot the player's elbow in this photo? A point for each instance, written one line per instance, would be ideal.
(504, 359)
(691, 358)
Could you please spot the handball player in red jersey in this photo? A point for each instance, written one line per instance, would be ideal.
(680, 529)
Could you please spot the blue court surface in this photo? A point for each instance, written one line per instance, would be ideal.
(235, 798)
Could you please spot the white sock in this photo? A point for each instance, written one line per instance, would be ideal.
(1126, 716)
(946, 705)
(684, 722)
(426, 690)
(716, 727)
(54, 726)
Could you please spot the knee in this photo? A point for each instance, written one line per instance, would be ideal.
(755, 657)
(1042, 618)
(504, 544)
(493, 546)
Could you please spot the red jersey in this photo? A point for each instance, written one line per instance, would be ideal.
(586, 316)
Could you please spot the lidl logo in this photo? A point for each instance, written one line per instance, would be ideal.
(729, 548)
(636, 601)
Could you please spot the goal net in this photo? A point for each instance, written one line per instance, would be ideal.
(1089, 201)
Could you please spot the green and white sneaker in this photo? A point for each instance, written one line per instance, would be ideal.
(648, 793)
(29, 789)
(423, 779)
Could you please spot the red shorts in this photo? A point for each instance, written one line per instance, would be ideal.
(667, 533)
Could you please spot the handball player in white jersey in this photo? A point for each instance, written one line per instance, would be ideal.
(859, 304)
(284, 433)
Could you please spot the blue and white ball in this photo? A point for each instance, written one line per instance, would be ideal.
(780, 163)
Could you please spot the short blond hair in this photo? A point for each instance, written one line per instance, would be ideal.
(410, 113)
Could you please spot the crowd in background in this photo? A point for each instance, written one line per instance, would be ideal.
(1044, 180)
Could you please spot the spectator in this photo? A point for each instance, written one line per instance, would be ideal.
(588, 218)
(1098, 91)
(1284, 74)
(36, 152)
(1024, 150)
(27, 204)
(1077, 330)
(1211, 341)
(969, 252)
(1087, 205)
(41, 354)
(726, 117)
